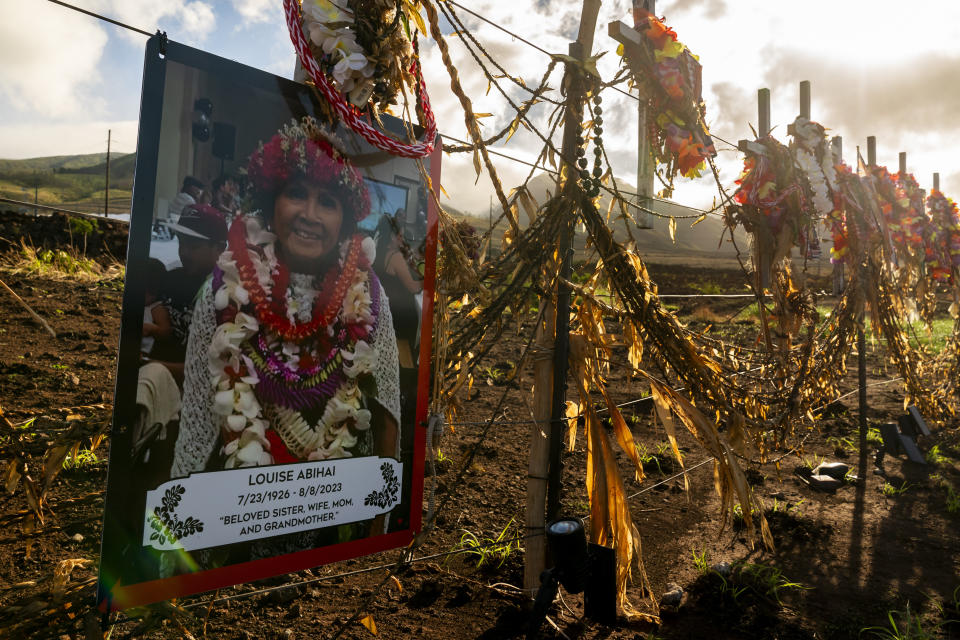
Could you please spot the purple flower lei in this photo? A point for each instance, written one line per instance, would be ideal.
(279, 368)
(285, 386)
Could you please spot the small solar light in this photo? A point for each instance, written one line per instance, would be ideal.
(568, 547)
(579, 567)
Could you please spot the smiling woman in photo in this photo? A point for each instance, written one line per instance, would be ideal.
(292, 354)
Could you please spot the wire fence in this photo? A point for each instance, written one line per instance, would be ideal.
(393, 567)
(56, 209)
(487, 546)
(635, 205)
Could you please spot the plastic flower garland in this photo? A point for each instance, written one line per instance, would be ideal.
(363, 44)
(913, 220)
(902, 208)
(837, 218)
(816, 161)
(265, 369)
(671, 74)
(944, 244)
(814, 158)
(770, 194)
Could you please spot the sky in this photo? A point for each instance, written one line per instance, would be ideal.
(878, 68)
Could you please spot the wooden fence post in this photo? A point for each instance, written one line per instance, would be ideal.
(763, 112)
(546, 374)
(837, 144)
(863, 261)
(805, 99)
(645, 163)
(936, 181)
(763, 122)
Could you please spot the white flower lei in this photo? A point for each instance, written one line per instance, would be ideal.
(329, 26)
(820, 173)
(234, 397)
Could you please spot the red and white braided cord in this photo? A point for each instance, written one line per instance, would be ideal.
(349, 114)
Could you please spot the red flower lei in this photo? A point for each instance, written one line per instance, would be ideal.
(272, 312)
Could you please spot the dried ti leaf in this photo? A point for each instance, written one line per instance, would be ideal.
(368, 622)
(12, 475)
(34, 499)
(573, 416)
(54, 463)
(662, 407)
(61, 574)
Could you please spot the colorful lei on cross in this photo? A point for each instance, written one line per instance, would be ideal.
(944, 245)
(902, 209)
(270, 359)
(837, 220)
(814, 158)
(913, 220)
(359, 54)
(769, 191)
(670, 73)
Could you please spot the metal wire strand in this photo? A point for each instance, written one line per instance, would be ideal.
(102, 17)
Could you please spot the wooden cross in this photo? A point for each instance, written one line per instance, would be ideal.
(632, 41)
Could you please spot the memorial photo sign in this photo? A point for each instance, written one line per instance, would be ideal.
(275, 348)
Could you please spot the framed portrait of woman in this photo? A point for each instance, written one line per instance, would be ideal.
(273, 373)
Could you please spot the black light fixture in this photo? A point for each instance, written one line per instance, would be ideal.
(580, 567)
(203, 107)
(567, 542)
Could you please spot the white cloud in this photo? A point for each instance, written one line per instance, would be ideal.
(50, 60)
(197, 19)
(66, 138)
(254, 11)
(184, 21)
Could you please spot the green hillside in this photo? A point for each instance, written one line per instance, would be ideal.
(66, 179)
(51, 163)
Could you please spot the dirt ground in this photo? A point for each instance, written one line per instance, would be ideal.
(843, 561)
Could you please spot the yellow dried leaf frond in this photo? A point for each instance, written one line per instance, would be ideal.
(729, 478)
(608, 502)
(368, 622)
(573, 416)
(623, 435)
(633, 341)
(12, 476)
(610, 521)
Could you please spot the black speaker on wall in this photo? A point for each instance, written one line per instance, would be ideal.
(224, 140)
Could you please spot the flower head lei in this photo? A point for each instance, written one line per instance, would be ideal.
(309, 151)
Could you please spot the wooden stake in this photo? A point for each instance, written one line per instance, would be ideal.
(805, 99)
(903, 163)
(761, 266)
(837, 144)
(763, 112)
(106, 185)
(645, 164)
(33, 314)
(936, 181)
(863, 260)
(546, 374)
(561, 349)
